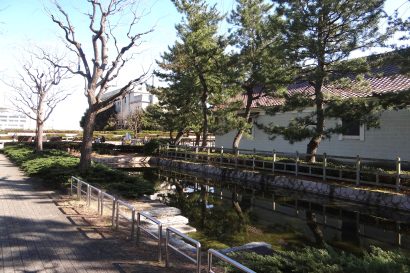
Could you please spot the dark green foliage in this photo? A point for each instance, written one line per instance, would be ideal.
(320, 35)
(102, 120)
(56, 167)
(195, 68)
(152, 146)
(314, 260)
(260, 67)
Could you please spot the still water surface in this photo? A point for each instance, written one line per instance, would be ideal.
(237, 212)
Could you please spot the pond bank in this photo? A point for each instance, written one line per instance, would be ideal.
(370, 197)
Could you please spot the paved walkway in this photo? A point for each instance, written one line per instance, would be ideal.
(37, 235)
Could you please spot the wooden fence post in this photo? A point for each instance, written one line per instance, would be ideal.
(358, 167)
(398, 173)
(324, 166)
(297, 164)
(253, 159)
(273, 161)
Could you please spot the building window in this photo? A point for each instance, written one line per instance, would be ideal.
(353, 130)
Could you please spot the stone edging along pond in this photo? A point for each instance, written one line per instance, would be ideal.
(376, 198)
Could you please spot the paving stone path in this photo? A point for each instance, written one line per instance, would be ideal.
(38, 235)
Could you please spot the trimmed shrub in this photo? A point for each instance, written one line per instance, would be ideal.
(328, 260)
(56, 167)
(151, 147)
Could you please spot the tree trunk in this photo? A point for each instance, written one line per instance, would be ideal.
(86, 147)
(205, 120)
(178, 137)
(313, 144)
(40, 125)
(239, 134)
(39, 136)
(314, 227)
(197, 138)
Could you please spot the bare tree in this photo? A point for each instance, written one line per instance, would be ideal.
(98, 70)
(36, 93)
(135, 121)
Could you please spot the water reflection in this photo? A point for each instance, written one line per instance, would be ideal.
(239, 212)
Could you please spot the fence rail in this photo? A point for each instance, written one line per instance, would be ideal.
(118, 205)
(361, 171)
(76, 188)
(169, 245)
(213, 252)
(158, 236)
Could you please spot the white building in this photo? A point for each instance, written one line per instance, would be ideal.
(10, 119)
(392, 139)
(138, 98)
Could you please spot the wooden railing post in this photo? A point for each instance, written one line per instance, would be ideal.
(358, 167)
(324, 166)
(273, 161)
(236, 151)
(398, 173)
(208, 153)
(222, 154)
(297, 164)
(253, 159)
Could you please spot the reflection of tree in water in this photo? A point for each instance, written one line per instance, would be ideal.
(314, 227)
(222, 221)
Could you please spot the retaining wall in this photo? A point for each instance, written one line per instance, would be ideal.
(371, 197)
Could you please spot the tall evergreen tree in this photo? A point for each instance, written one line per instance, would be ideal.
(261, 67)
(319, 35)
(194, 66)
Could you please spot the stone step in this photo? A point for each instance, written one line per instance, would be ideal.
(173, 220)
(183, 228)
(163, 212)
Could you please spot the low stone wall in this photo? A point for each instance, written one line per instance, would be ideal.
(376, 198)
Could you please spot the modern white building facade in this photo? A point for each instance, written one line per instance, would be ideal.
(10, 119)
(138, 98)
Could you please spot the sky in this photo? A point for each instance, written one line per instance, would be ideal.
(26, 24)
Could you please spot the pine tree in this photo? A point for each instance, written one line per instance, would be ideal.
(194, 66)
(261, 67)
(320, 34)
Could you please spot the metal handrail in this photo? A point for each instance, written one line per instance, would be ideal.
(213, 252)
(118, 214)
(195, 243)
(90, 196)
(113, 199)
(159, 226)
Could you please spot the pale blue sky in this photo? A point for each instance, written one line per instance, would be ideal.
(25, 24)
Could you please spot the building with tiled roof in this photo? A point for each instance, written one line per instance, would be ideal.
(392, 139)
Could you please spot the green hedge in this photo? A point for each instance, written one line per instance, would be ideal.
(56, 167)
(328, 260)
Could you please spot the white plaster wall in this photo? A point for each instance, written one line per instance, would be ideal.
(392, 139)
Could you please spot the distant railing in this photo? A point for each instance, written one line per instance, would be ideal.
(360, 171)
(76, 188)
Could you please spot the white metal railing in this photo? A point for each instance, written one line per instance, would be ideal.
(357, 170)
(213, 252)
(158, 236)
(196, 244)
(81, 188)
(120, 203)
(112, 200)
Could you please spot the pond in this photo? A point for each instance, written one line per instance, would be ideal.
(236, 212)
